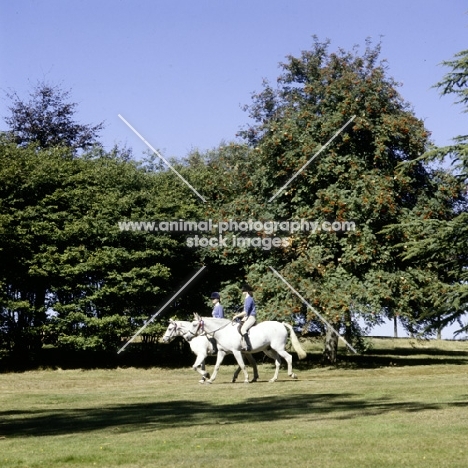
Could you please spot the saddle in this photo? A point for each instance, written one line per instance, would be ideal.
(239, 326)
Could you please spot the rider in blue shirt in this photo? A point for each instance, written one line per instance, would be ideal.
(218, 311)
(249, 316)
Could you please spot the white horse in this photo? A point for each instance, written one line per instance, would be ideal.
(201, 346)
(269, 337)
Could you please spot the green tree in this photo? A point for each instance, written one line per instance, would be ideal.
(370, 175)
(442, 244)
(47, 119)
(62, 250)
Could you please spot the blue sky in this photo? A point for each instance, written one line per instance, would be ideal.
(180, 71)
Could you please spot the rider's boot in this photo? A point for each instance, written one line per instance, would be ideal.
(214, 345)
(248, 345)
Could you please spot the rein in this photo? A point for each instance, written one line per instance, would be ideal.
(214, 331)
(201, 325)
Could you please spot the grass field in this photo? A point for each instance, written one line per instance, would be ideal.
(404, 404)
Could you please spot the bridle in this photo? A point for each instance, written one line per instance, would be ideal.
(177, 330)
(173, 331)
(201, 326)
(181, 330)
(188, 334)
(199, 331)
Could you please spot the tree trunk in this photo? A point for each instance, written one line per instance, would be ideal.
(348, 326)
(331, 347)
(439, 329)
(395, 327)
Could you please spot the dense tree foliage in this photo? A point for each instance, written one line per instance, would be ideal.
(67, 271)
(371, 175)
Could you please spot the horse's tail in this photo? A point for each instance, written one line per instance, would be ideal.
(301, 354)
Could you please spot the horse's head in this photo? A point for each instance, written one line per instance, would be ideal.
(179, 328)
(176, 328)
(171, 332)
(197, 327)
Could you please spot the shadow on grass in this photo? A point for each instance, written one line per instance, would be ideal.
(185, 413)
(408, 357)
(387, 357)
(399, 352)
(140, 355)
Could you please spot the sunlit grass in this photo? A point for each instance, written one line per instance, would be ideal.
(393, 413)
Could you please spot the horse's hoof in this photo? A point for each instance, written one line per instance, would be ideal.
(201, 381)
(272, 380)
(246, 381)
(294, 376)
(255, 379)
(233, 381)
(209, 381)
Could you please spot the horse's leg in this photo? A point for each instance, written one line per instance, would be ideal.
(240, 361)
(219, 360)
(253, 363)
(274, 355)
(199, 366)
(288, 358)
(203, 372)
(236, 374)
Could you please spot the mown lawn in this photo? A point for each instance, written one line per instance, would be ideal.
(403, 404)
